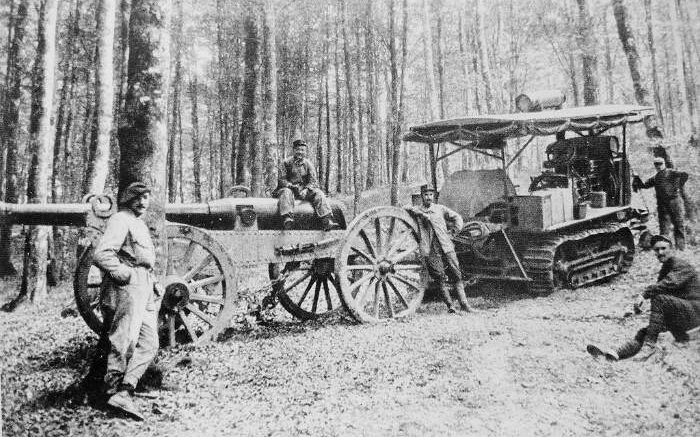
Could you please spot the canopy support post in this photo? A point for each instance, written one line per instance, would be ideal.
(433, 165)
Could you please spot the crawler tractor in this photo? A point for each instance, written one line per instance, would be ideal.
(573, 225)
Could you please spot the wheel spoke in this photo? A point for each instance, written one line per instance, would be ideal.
(403, 255)
(196, 269)
(308, 288)
(378, 232)
(407, 281)
(298, 281)
(363, 254)
(207, 281)
(369, 267)
(409, 267)
(368, 243)
(359, 282)
(387, 299)
(398, 293)
(390, 233)
(329, 304)
(317, 292)
(189, 251)
(188, 326)
(390, 250)
(197, 312)
(360, 296)
(376, 300)
(207, 298)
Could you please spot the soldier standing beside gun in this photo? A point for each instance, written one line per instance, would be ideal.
(297, 180)
(437, 247)
(675, 305)
(129, 303)
(667, 183)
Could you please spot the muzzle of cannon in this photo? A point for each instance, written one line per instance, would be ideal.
(373, 267)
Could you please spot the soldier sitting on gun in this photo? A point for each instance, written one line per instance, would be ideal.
(675, 305)
(437, 247)
(667, 183)
(297, 180)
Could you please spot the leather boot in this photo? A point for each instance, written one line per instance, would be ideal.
(646, 351)
(445, 291)
(462, 298)
(627, 350)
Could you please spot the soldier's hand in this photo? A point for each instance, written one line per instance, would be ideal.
(121, 276)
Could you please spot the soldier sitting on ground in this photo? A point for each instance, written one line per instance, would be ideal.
(297, 180)
(437, 247)
(675, 305)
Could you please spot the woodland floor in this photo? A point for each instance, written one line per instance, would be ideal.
(517, 368)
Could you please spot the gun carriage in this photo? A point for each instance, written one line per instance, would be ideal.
(372, 267)
(574, 224)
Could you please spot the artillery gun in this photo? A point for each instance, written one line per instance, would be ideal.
(574, 224)
(372, 267)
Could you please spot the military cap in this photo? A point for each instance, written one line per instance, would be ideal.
(659, 160)
(298, 143)
(132, 191)
(427, 187)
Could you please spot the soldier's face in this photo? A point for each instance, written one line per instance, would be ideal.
(662, 250)
(300, 152)
(140, 204)
(659, 166)
(428, 198)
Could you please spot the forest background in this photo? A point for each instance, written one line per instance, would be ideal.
(348, 76)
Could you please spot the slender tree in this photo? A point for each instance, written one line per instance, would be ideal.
(34, 285)
(9, 141)
(589, 57)
(629, 46)
(249, 147)
(143, 136)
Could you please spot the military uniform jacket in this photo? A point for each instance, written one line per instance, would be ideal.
(125, 245)
(667, 183)
(677, 278)
(433, 224)
(301, 173)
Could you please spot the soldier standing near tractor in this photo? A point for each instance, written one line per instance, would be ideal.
(437, 247)
(129, 300)
(297, 180)
(675, 305)
(667, 183)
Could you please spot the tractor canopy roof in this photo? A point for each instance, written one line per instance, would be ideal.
(489, 131)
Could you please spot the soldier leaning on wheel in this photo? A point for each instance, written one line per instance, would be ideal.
(129, 300)
(667, 183)
(437, 247)
(675, 305)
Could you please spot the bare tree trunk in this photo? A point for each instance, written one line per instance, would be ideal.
(354, 149)
(394, 99)
(196, 147)
(269, 90)
(143, 137)
(609, 66)
(587, 44)
(338, 117)
(249, 147)
(480, 17)
(173, 158)
(630, 47)
(98, 166)
(9, 140)
(36, 248)
(373, 143)
(122, 57)
(684, 82)
(652, 52)
(465, 59)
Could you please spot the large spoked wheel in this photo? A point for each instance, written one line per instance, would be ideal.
(199, 287)
(307, 289)
(379, 266)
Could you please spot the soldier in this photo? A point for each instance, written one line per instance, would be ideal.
(130, 302)
(297, 180)
(667, 183)
(437, 247)
(675, 305)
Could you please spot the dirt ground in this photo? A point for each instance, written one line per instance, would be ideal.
(519, 367)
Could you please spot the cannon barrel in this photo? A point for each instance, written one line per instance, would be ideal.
(218, 214)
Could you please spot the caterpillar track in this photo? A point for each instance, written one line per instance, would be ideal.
(578, 257)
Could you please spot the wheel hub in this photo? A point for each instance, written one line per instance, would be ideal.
(384, 268)
(177, 294)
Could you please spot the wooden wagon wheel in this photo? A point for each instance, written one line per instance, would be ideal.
(199, 287)
(379, 267)
(308, 289)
